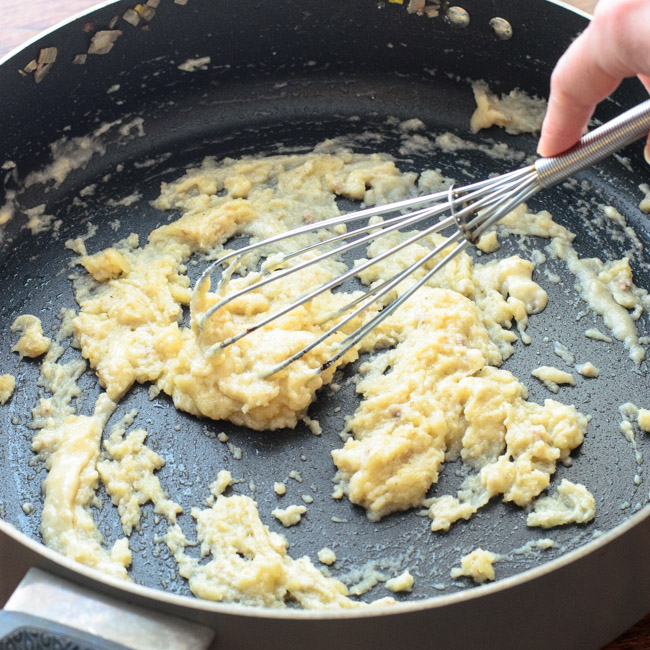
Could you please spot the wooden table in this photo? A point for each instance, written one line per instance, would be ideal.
(22, 19)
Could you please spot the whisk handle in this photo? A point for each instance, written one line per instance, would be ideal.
(596, 145)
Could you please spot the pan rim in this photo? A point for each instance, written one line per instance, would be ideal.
(436, 602)
(568, 7)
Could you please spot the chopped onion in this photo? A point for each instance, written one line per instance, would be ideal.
(80, 59)
(131, 16)
(47, 55)
(113, 22)
(102, 42)
(41, 71)
(145, 12)
(415, 6)
(31, 66)
(153, 3)
(180, 2)
(432, 10)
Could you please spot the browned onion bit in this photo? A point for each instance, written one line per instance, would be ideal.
(415, 6)
(102, 42)
(145, 12)
(131, 16)
(47, 55)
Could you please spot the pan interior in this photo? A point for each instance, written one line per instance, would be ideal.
(35, 273)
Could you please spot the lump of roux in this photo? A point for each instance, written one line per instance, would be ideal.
(516, 111)
(478, 565)
(32, 342)
(7, 385)
(431, 387)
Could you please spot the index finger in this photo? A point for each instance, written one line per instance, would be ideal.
(578, 83)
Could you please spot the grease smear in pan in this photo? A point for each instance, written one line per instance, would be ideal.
(431, 385)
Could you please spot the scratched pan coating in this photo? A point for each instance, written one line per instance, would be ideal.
(305, 73)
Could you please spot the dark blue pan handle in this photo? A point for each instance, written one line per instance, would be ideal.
(20, 631)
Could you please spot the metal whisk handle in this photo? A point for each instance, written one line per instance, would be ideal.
(596, 145)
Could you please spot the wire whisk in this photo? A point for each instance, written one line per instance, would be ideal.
(471, 210)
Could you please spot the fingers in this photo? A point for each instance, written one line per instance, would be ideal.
(577, 85)
(614, 46)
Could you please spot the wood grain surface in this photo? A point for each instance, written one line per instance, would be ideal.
(20, 20)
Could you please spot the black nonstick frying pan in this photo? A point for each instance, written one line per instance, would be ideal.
(289, 74)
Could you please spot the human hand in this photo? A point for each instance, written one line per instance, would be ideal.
(615, 45)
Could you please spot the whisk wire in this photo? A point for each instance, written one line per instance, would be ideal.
(479, 202)
(381, 291)
(435, 198)
(365, 329)
(301, 300)
(380, 229)
(474, 208)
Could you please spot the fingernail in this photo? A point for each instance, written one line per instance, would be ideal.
(646, 153)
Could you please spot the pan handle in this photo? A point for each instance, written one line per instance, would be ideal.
(46, 611)
(25, 632)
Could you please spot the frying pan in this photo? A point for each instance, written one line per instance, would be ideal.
(285, 76)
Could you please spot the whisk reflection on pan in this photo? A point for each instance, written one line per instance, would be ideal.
(471, 209)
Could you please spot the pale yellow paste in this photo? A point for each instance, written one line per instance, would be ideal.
(588, 369)
(32, 342)
(289, 516)
(249, 563)
(571, 503)
(402, 582)
(516, 111)
(431, 389)
(7, 385)
(552, 377)
(477, 565)
(128, 474)
(643, 420)
(326, 556)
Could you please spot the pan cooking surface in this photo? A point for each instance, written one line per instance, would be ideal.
(182, 128)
